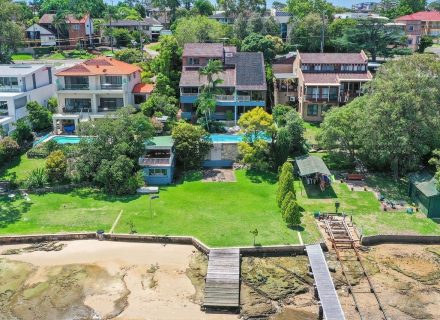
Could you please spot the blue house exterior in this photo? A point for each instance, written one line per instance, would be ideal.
(159, 161)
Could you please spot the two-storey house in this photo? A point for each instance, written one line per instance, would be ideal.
(94, 88)
(419, 24)
(243, 84)
(326, 80)
(149, 26)
(315, 82)
(74, 31)
(20, 84)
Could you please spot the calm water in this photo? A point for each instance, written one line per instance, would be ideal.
(217, 138)
(66, 139)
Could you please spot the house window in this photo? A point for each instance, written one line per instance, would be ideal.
(312, 110)
(317, 67)
(157, 172)
(8, 83)
(325, 93)
(410, 28)
(305, 67)
(111, 82)
(75, 27)
(34, 81)
(409, 41)
(193, 61)
(3, 108)
(78, 105)
(20, 102)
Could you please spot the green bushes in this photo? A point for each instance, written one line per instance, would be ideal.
(37, 179)
(39, 116)
(9, 148)
(56, 166)
(286, 196)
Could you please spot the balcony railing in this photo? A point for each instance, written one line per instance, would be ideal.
(10, 89)
(317, 97)
(111, 86)
(82, 86)
(154, 161)
(189, 94)
(232, 98)
(108, 109)
(77, 110)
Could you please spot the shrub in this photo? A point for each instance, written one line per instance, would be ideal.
(37, 179)
(255, 154)
(9, 148)
(56, 166)
(22, 132)
(52, 104)
(129, 55)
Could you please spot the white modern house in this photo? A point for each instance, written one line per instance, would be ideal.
(19, 84)
(94, 88)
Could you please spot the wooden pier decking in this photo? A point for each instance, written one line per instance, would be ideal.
(222, 287)
(331, 307)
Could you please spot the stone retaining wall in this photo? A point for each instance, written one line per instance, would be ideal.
(245, 251)
(399, 239)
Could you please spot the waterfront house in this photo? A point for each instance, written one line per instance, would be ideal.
(40, 36)
(323, 81)
(20, 84)
(95, 87)
(149, 26)
(243, 85)
(159, 161)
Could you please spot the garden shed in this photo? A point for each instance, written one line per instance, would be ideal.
(158, 161)
(313, 170)
(423, 192)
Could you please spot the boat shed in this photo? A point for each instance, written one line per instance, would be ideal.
(424, 193)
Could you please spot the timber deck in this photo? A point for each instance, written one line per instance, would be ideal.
(328, 296)
(222, 287)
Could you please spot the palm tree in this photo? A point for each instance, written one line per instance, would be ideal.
(206, 101)
(59, 22)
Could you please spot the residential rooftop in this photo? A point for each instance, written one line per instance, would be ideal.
(421, 16)
(334, 58)
(147, 21)
(99, 66)
(160, 141)
(20, 69)
(203, 50)
(48, 18)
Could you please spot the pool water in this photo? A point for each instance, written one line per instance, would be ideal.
(66, 139)
(232, 138)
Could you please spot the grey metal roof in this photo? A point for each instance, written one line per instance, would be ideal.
(326, 290)
(250, 72)
(308, 165)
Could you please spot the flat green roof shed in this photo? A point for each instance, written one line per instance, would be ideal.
(423, 192)
(310, 165)
(160, 142)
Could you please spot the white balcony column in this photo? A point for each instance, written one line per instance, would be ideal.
(76, 121)
(94, 104)
(235, 107)
(54, 125)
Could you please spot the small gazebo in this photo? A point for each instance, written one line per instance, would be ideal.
(313, 170)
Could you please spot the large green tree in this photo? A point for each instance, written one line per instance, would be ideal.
(192, 144)
(258, 43)
(198, 29)
(285, 183)
(11, 29)
(372, 36)
(110, 158)
(169, 61)
(306, 33)
(39, 117)
(301, 8)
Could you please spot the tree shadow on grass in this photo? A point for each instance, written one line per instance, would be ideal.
(96, 194)
(296, 228)
(314, 192)
(261, 176)
(11, 211)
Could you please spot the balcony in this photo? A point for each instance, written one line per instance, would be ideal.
(10, 89)
(108, 109)
(77, 110)
(150, 162)
(80, 86)
(111, 86)
(317, 97)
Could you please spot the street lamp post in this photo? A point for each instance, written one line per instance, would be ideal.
(152, 197)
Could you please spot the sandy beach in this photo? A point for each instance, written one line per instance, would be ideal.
(121, 280)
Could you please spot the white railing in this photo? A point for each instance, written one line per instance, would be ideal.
(188, 94)
(222, 97)
(243, 98)
(154, 161)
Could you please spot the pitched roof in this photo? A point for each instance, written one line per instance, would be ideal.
(250, 72)
(43, 31)
(48, 18)
(425, 182)
(336, 58)
(143, 88)
(334, 79)
(204, 50)
(421, 16)
(308, 165)
(147, 21)
(99, 66)
(192, 78)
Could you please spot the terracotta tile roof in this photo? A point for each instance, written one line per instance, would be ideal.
(48, 18)
(336, 58)
(334, 79)
(143, 88)
(282, 68)
(99, 66)
(421, 16)
(208, 50)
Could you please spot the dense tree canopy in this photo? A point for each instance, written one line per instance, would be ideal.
(11, 30)
(198, 29)
(396, 124)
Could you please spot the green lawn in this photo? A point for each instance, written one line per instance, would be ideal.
(22, 56)
(219, 214)
(155, 46)
(366, 211)
(20, 167)
(312, 130)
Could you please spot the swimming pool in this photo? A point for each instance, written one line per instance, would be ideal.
(232, 138)
(59, 139)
